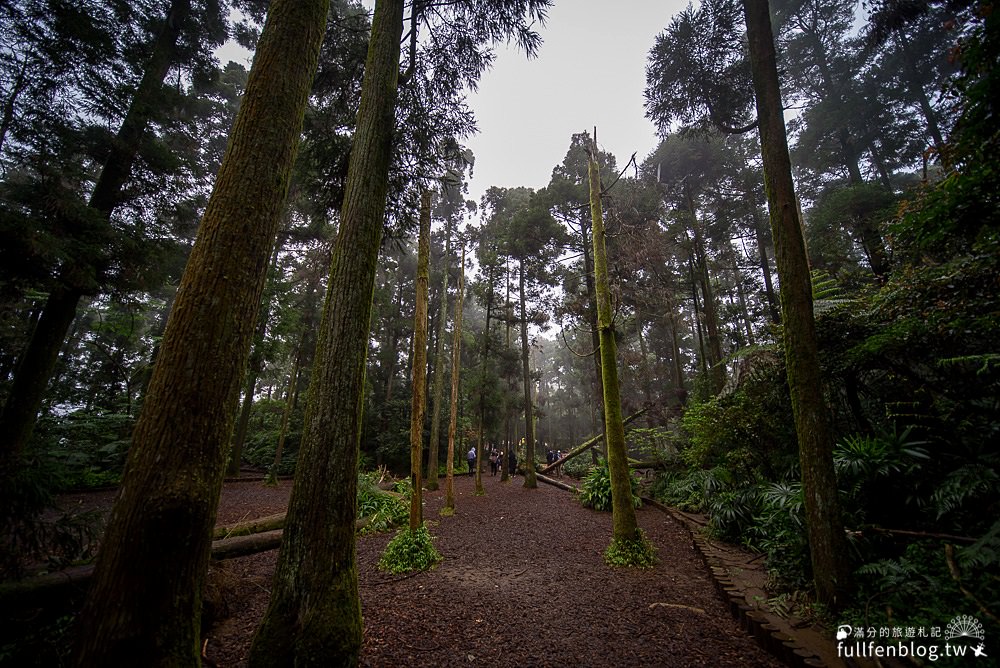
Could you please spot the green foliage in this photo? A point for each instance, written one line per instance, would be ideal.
(631, 553)
(409, 550)
(382, 510)
(596, 490)
(577, 467)
(265, 432)
(84, 449)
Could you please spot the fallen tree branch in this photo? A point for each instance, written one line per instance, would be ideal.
(920, 534)
(556, 483)
(51, 588)
(249, 527)
(586, 445)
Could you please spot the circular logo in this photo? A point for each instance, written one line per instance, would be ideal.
(964, 626)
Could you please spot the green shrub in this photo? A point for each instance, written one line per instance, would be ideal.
(634, 553)
(409, 550)
(578, 467)
(383, 510)
(596, 490)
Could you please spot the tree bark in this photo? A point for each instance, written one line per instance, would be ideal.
(456, 361)
(417, 404)
(145, 600)
(625, 527)
(432, 453)
(529, 421)
(314, 615)
(827, 544)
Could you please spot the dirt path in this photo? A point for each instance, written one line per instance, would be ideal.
(522, 583)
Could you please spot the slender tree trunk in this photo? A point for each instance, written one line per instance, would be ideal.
(482, 387)
(286, 413)
(827, 543)
(703, 357)
(595, 340)
(716, 370)
(38, 360)
(418, 404)
(508, 408)
(432, 454)
(624, 524)
(740, 296)
(916, 87)
(765, 265)
(529, 421)
(314, 615)
(145, 597)
(456, 363)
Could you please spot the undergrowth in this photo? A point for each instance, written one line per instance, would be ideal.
(408, 551)
(631, 553)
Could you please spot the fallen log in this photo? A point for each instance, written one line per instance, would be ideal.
(557, 483)
(49, 589)
(586, 445)
(259, 525)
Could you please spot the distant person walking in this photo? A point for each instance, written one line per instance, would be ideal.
(512, 462)
(472, 460)
(494, 462)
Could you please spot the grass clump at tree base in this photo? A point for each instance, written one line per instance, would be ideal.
(631, 552)
(409, 550)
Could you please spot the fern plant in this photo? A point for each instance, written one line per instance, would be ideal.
(596, 490)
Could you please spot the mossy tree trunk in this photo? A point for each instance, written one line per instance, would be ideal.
(145, 598)
(624, 523)
(314, 615)
(529, 422)
(827, 542)
(456, 363)
(418, 402)
(439, 365)
(76, 277)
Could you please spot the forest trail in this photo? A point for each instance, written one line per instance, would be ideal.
(522, 583)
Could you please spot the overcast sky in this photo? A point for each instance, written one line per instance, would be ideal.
(591, 70)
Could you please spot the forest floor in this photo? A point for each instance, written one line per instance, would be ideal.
(522, 583)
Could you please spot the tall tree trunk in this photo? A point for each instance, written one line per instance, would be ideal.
(765, 265)
(595, 340)
(76, 277)
(482, 388)
(703, 356)
(529, 421)
(290, 398)
(508, 411)
(314, 615)
(625, 527)
(456, 363)
(740, 295)
(145, 596)
(827, 543)
(716, 370)
(418, 403)
(432, 454)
